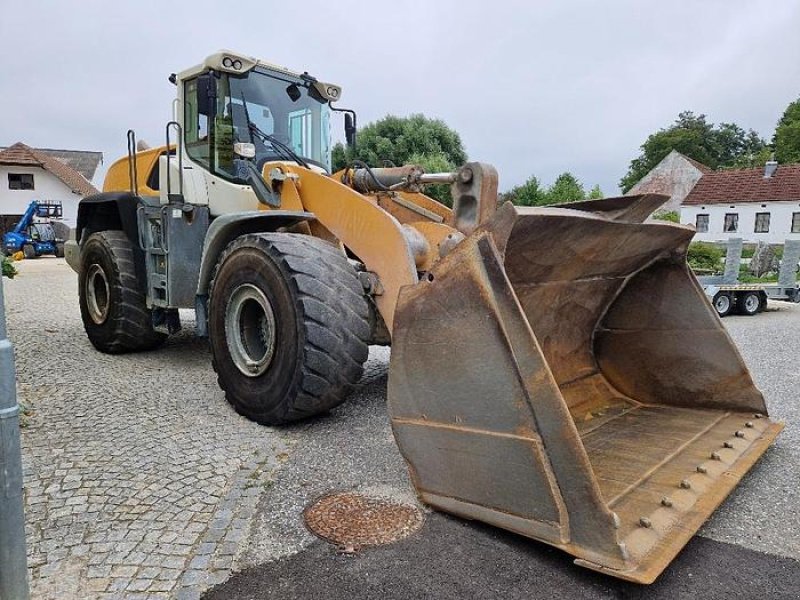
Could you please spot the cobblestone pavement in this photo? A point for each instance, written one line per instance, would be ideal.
(140, 481)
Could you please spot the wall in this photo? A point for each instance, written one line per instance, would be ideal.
(779, 226)
(47, 186)
(674, 176)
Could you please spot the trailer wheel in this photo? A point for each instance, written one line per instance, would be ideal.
(29, 251)
(113, 307)
(288, 325)
(723, 303)
(60, 250)
(749, 303)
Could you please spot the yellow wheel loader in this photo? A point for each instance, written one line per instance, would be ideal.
(555, 371)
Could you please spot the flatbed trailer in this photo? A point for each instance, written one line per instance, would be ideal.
(728, 296)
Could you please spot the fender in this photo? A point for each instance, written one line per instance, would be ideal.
(108, 210)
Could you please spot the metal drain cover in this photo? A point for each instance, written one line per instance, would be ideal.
(353, 520)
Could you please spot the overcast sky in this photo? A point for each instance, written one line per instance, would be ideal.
(532, 87)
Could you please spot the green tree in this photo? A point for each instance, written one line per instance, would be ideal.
(787, 135)
(595, 193)
(435, 162)
(397, 139)
(566, 188)
(694, 136)
(529, 193)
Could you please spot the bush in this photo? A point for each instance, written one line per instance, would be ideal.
(705, 257)
(671, 216)
(9, 270)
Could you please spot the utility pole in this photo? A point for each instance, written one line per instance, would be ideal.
(13, 561)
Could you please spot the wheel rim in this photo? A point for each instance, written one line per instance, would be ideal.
(97, 294)
(722, 304)
(751, 303)
(250, 330)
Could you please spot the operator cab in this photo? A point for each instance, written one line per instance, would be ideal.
(283, 115)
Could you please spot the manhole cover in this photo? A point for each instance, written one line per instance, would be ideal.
(353, 520)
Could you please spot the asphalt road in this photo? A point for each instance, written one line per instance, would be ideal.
(450, 558)
(749, 548)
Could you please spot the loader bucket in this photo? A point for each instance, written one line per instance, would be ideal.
(561, 375)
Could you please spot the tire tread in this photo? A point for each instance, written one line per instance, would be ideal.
(330, 301)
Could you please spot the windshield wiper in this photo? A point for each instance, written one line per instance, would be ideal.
(280, 148)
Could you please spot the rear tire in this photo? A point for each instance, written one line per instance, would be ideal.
(28, 251)
(749, 303)
(723, 303)
(288, 325)
(113, 307)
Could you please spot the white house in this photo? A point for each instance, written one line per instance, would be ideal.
(757, 205)
(28, 174)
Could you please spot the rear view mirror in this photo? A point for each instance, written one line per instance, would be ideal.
(205, 92)
(350, 130)
(293, 92)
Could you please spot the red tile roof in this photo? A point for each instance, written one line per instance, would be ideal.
(21, 155)
(747, 185)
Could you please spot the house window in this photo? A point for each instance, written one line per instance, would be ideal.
(796, 222)
(731, 222)
(20, 181)
(762, 223)
(702, 223)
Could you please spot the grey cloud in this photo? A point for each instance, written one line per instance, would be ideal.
(533, 87)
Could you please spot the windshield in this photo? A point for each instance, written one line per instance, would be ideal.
(281, 107)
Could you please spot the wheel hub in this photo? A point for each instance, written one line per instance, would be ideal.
(250, 330)
(723, 303)
(97, 294)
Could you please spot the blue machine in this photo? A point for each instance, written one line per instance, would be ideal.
(35, 239)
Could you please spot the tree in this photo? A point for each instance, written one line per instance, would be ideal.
(566, 188)
(398, 139)
(692, 135)
(787, 135)
(529, 193)
(435, 162)
(595, 193)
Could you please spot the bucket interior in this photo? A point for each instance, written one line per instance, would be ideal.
(651, 379)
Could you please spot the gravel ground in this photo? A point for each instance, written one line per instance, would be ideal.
(763, 512)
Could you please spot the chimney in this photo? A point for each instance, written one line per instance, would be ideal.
(770, 167)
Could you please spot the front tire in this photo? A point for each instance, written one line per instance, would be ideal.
(60, 250)
(113, 306)
(288, 325)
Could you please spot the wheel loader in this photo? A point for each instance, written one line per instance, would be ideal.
(556, 372)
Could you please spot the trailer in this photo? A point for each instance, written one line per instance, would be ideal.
(728, 296)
